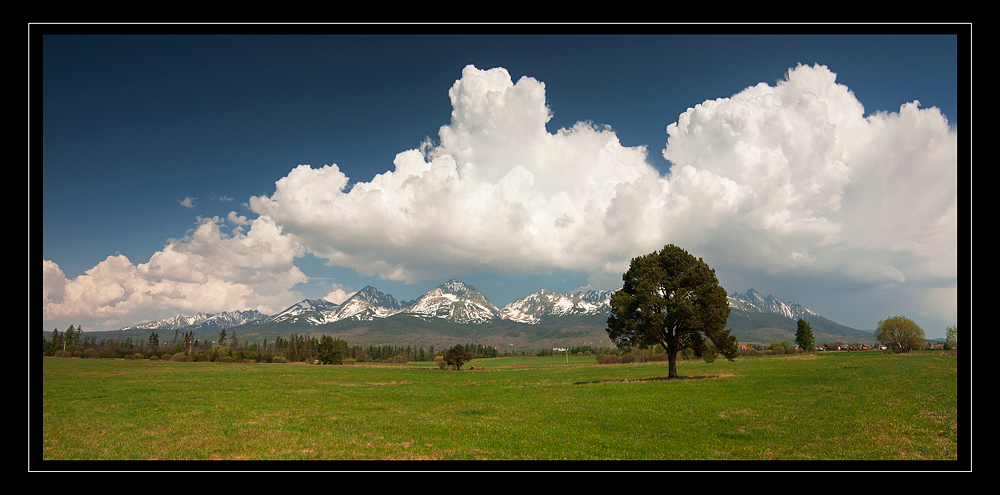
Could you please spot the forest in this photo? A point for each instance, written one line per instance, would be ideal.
(73, 342)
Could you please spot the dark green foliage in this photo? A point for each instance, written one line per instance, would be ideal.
(332, 351)
(804, 336)
(672, 299)
(457, 356)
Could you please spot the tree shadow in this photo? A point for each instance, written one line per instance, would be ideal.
(654, 379)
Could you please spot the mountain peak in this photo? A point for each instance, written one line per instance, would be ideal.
(454, 301)
(455, 287)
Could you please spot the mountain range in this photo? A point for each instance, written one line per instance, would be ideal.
(458, 309)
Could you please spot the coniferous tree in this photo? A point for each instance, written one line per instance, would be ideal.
(804, 336)
(672, 299)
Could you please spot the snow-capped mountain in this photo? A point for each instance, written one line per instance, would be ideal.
(456, 302)
(368, 304)
(753, 301)
(203, 321)
(533, 308)
(599, 297)
(309, 311)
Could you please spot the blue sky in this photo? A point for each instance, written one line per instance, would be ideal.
(153, 146)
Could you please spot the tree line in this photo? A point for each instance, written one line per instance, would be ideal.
(73, 342)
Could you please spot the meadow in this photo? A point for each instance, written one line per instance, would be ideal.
(846, 406)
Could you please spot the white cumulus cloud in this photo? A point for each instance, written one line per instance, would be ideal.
(783, 178)
(205, 271)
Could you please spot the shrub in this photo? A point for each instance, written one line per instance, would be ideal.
(349, 361)
(279, 360)
(641, 355)
(629, 358)
(440, 362)
(180, 357)
(609, 359)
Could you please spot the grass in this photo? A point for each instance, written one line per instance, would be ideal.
(825, 406)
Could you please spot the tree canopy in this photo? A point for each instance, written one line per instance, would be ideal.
(457, 356)
(900, 334)
(673, 299)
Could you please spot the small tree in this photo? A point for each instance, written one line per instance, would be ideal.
(457, 356)
(900, 334)
(804, 336)
(951, 337)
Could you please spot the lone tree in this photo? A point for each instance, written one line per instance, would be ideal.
(804, 336)
(673, 299)
(457, 356)
(900, 334)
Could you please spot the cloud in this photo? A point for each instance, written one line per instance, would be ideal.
(499, 193)
(338, 295)
(791, 178)
(819, 188)
(239, 220)
(205, 271)
(187, 202)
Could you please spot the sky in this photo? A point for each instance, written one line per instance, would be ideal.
(185, 173)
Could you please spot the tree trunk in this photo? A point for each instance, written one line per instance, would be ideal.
(669, 344)
(672, 359)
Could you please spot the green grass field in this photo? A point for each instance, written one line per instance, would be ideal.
(824, 406)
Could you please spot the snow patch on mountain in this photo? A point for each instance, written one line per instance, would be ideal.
(456, 302)
(754, 301)
(534, 307)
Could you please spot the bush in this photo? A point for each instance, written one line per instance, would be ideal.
(609, 359)
(629, 358)
(180, 357)
(349, 361)
(279, 360)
